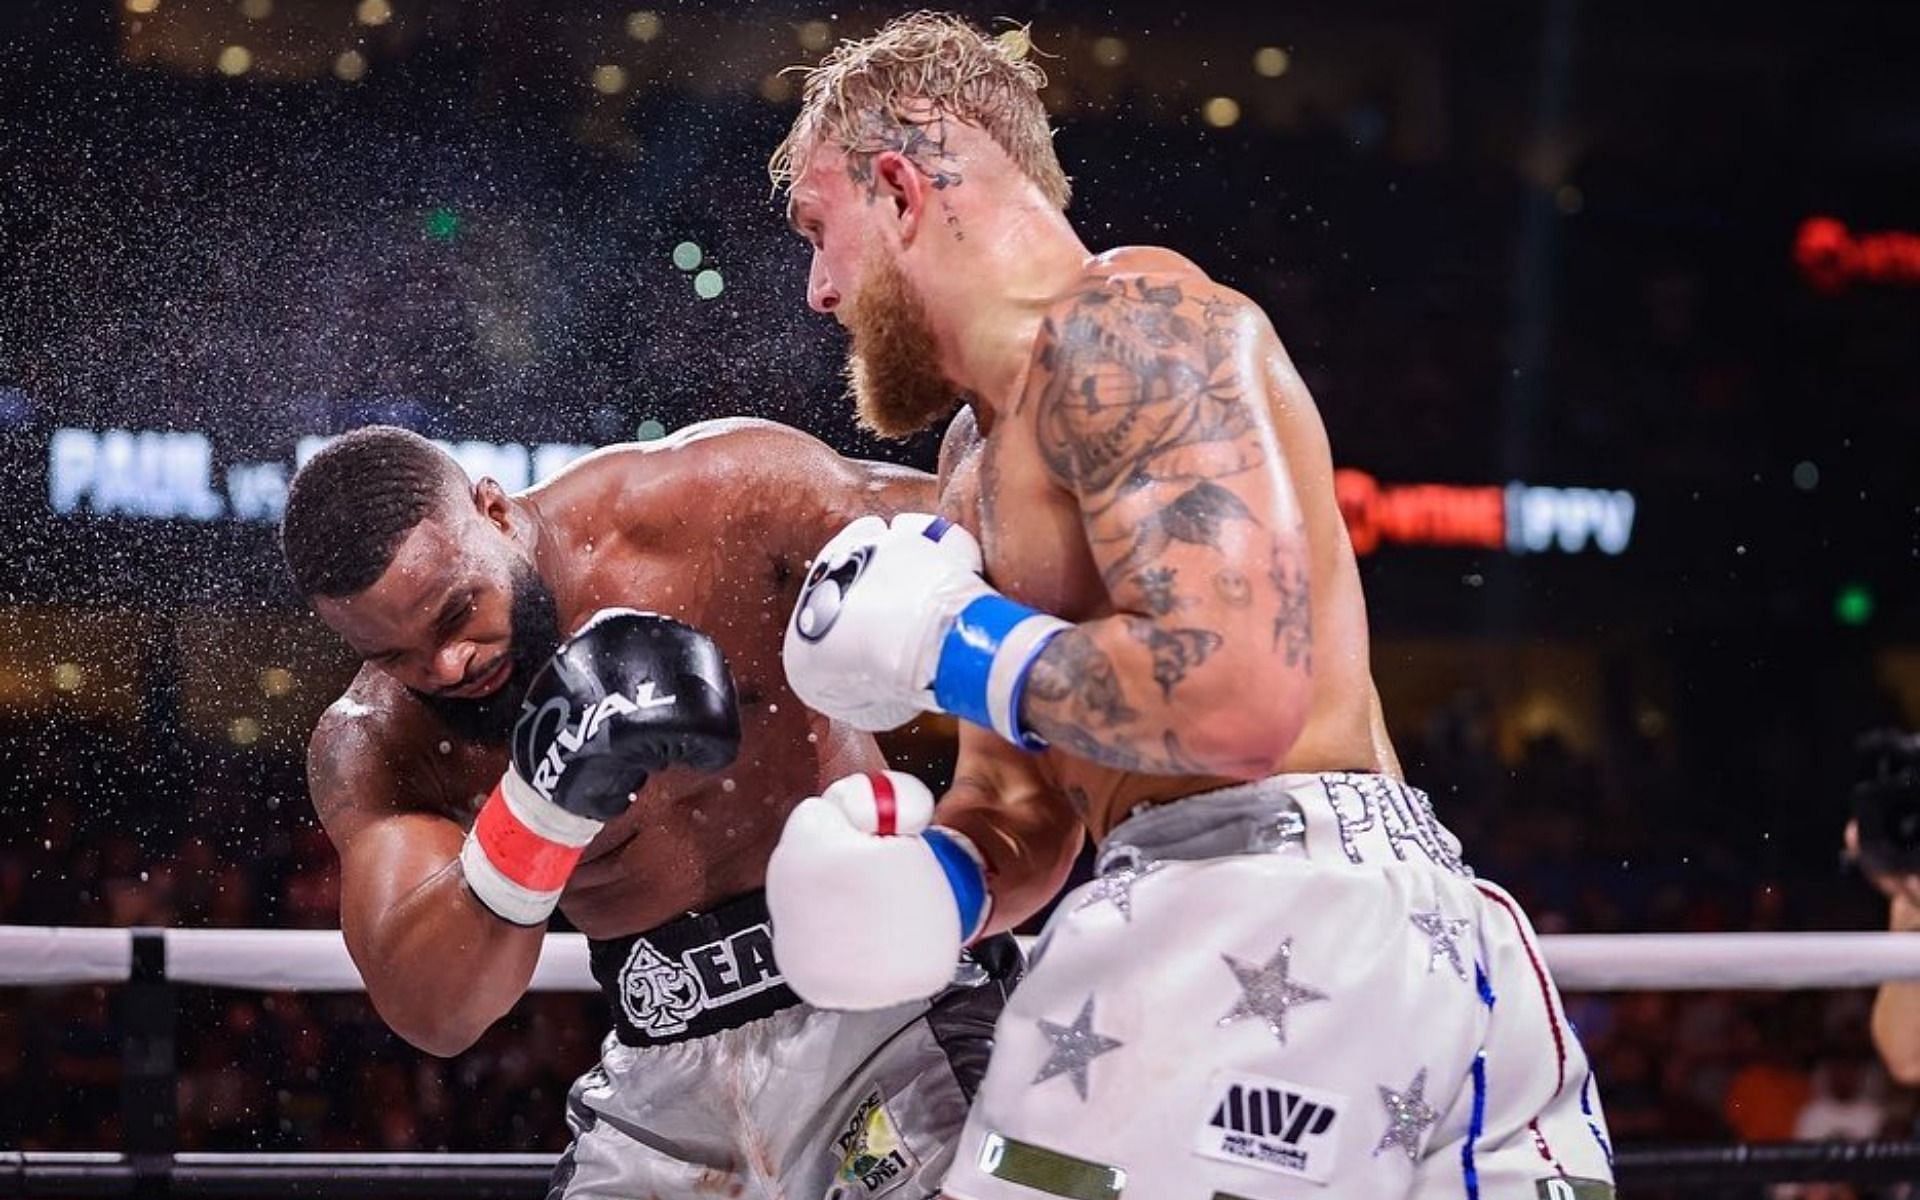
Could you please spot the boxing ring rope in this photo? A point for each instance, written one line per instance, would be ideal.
(315, 960)
(152, 962)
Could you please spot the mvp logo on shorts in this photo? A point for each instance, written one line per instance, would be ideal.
(1278, 1127)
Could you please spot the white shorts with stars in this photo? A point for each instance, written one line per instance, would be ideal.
(1291, 988)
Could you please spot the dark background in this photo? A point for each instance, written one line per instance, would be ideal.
(1548, 241)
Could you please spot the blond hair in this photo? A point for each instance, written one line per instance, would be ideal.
(917, 68)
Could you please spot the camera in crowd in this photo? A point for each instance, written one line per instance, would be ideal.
(1886, 801)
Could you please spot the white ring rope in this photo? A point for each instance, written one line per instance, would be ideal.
(315, 960)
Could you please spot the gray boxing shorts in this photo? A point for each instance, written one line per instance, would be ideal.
(718, 1081)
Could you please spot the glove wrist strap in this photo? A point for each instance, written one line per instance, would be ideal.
(966, 873)
(985, 658)
(521, 850)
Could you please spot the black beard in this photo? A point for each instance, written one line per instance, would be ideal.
(535, 624)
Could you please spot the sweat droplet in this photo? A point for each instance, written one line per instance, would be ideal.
(446, 747)
(727, 785)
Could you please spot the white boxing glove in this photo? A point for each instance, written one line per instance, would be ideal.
(895, 620)
(870, 905)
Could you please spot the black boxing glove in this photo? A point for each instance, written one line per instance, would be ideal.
(630, 693)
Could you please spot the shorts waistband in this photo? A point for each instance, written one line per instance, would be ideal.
(1353, 816)
(694, 976)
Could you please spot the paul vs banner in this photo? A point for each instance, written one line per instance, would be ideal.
(159, 475)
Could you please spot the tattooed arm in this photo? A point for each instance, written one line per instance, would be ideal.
(1150, 405)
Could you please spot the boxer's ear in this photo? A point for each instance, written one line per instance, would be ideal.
(490, 501)
(900, 185)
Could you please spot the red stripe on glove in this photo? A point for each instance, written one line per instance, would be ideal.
(886, 810)
(522, 855)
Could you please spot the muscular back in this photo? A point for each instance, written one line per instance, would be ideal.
(711, 527)
(1122, 481)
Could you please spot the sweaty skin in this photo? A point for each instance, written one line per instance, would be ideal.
(1165, 525)
(712, 527)
(1137, 455)
(1011, 485)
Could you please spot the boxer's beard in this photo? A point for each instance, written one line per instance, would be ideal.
(535, 623)
(893, 367)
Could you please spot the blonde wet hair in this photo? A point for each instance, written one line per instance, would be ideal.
(918, 69)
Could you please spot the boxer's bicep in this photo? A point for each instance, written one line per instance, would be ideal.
(1151, 412)
(818, 492)
(386, 852)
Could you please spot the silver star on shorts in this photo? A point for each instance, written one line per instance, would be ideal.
(1117, 886)
(1446, 933)
(1408, 1115)
(1267, 993)
(1074, 1046)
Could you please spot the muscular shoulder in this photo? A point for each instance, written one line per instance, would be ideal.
(732, 452)
(1150, 282)
(737, 471)
(358, 752)
(1143, 355)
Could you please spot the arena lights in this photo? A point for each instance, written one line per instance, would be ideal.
(442, 224)
(609, 79)
(1853, 605)
(256, 10)
(1110, 51)
(1221, 111)
(814, 36)
(276, 682)
(1518, 518)
(1831, 256)
(143, 7)
(708, 284)
(69, 677)
(1271, 62)
(235, 61)
(643, 25)
(350, 67)
(373, 12)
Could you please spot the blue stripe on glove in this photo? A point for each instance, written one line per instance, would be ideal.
(964, 876)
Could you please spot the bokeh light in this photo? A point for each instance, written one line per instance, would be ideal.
(814, 36)
(609, 79)
(644, 25)
(1221, 111)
